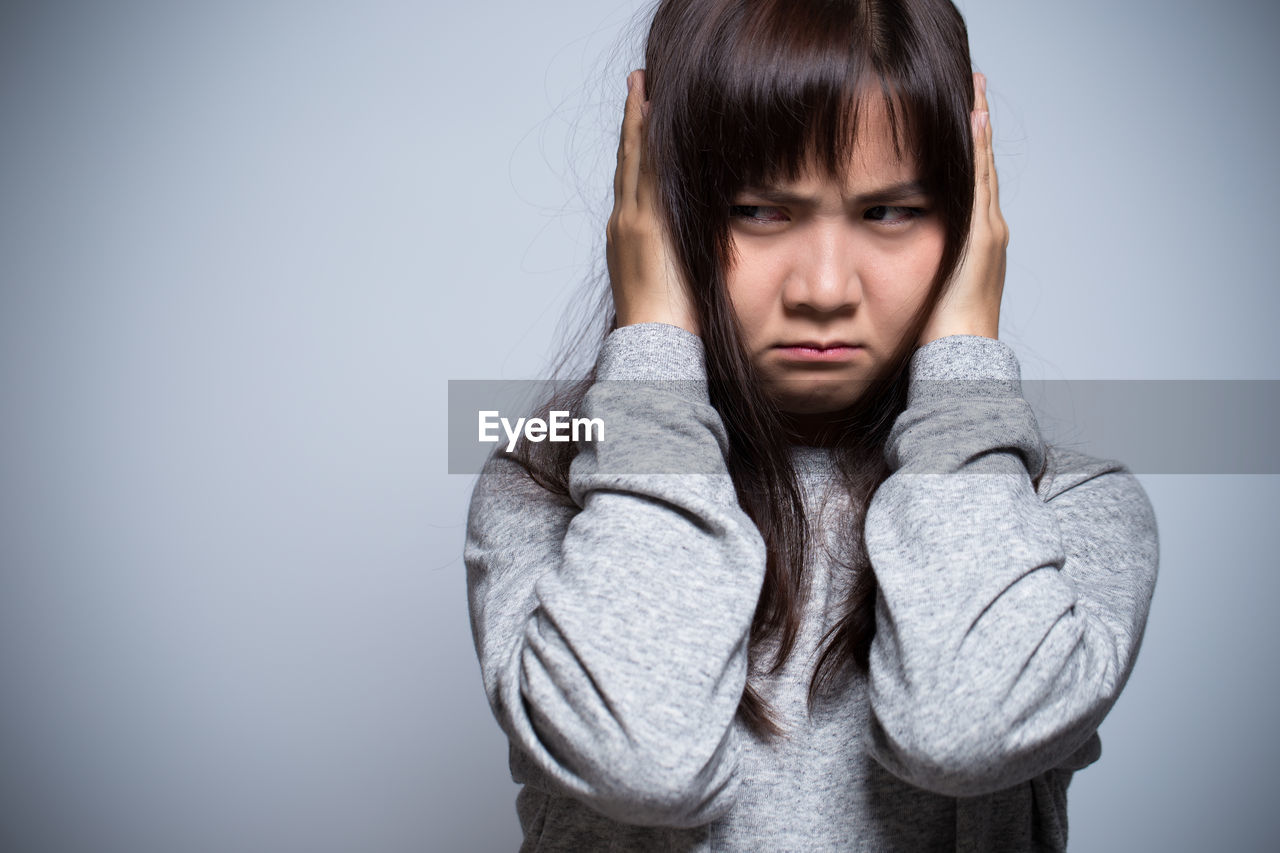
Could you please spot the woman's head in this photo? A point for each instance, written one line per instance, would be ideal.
(815, 169)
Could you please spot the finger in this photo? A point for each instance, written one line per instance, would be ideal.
(986, 199)
(645, 180)
(991, 164)
(988, 144)
(978, 121)
(622, 138)
(633, 136)
(625, 175)
(981, 104)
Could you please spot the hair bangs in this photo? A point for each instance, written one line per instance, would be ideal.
(790, 91)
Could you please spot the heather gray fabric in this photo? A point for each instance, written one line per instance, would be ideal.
(612, 629)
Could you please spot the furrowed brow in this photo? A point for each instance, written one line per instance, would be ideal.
(889, 193)
(893, 192)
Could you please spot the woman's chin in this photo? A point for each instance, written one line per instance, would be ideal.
(817, 396)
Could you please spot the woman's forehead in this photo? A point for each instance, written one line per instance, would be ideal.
(865, 179)
(872, 166)
(873, 148)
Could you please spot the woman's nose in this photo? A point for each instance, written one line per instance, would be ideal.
(824, 277)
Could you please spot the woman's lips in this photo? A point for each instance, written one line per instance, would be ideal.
(810, 351)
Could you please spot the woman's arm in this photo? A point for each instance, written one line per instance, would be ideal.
(1007, 624)
(612, 634)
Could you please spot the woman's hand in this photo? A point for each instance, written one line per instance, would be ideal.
(647, 287)
(971, 303)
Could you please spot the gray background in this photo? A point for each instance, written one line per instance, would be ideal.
(243, 245)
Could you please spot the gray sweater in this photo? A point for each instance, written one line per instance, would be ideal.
(612, 630)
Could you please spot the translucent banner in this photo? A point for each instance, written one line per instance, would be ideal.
(1152, 426)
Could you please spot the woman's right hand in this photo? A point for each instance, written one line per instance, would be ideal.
(647, 285)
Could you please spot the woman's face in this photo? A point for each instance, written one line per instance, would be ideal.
(827, 278)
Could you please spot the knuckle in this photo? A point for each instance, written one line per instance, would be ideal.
(633, 222)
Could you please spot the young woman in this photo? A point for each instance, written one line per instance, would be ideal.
(823, 587)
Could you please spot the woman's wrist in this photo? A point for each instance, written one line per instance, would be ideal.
(983, 323)
(989, 330)
(637, 318)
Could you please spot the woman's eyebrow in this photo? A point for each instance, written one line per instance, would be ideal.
(889, 192)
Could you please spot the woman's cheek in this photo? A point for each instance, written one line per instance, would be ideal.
(918, 271)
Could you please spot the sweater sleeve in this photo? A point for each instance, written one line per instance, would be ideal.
(1006, 623)
(612, 631)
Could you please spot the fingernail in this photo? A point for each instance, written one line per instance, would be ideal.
(631, 76)
(982, 120)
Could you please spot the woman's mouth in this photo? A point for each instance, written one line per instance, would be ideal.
(814, 351)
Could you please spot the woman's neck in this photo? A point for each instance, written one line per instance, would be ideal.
(812, 430)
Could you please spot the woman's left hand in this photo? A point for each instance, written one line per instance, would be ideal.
(970, 305)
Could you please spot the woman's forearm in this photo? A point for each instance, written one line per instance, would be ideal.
(621, 673)
(1001, 642)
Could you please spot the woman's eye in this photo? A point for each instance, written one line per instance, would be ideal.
(886, 213)
(757, 213)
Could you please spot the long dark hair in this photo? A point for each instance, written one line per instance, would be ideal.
(751, 91)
